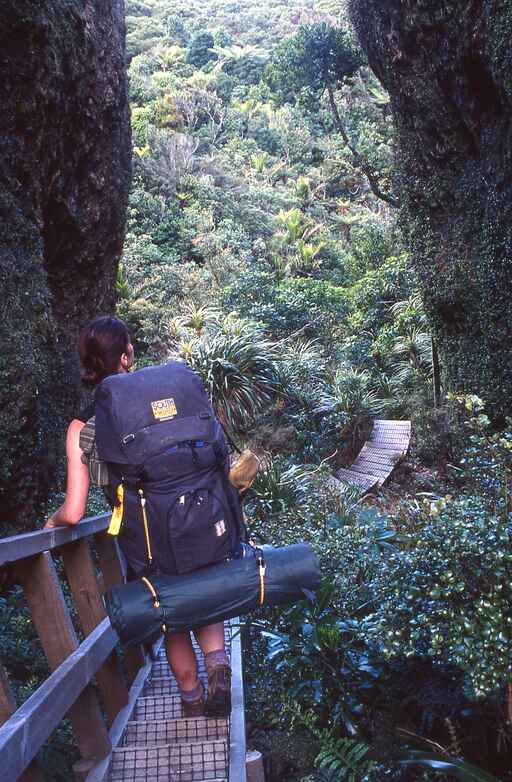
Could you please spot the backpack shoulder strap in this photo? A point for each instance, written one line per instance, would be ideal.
(98, 471)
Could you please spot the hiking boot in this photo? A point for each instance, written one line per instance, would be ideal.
(218, 702)
(191, 709)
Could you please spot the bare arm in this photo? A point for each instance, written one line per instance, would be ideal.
(77, 484)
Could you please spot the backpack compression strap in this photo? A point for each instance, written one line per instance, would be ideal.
(154, 595)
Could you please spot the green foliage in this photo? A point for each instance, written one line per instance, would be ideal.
(200, 49)
(448, 593)
(278, 487)
(257, 251)
(316, 57)
(141, 121)
(344, 759)
(238, 368)
(350, 400)
(453, 766)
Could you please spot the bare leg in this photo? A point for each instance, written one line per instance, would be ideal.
(182, 659)
(211, 638)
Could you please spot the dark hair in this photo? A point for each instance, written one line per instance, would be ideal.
(101, 345)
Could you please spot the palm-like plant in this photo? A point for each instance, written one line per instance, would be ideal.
(259, 162)
(279, 487)
(239, 371)
(175, 329)
(294, 223)
(235, 52)
(306, 259)
(302, 369)
(415, 348)
(197, 318)
(412, 373)
(122, 285)
(351, 393)
(302, 188)
(413, 303)
(295, 241)
(186, 350)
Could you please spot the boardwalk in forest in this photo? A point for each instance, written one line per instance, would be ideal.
(387, 445)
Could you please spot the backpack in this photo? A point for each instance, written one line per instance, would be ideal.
(168, 465)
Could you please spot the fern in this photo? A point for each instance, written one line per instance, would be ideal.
(327, 774)
(343, 759)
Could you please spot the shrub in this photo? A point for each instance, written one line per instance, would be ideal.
(239, 372)
(198, 50)
(448, 593)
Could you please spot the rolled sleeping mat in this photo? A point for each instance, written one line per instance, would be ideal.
(141, 610)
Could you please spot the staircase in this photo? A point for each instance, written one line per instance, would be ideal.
(154, 743)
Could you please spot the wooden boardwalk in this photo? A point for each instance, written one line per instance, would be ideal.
(152, 742)
(388, 444)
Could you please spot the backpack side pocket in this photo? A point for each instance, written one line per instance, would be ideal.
(198, 529)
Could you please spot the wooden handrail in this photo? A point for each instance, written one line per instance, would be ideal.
(24, 733)
(19, 547)
(67, 691)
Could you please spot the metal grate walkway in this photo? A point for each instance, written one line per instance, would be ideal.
(388, 444)
(152, 742)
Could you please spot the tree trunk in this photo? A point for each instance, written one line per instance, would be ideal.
(448, 69)
(65, 151)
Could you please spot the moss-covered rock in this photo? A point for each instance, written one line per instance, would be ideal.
(65, 151)
(448, 69)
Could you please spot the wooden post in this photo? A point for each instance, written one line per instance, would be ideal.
(91, 611)
(254, 766)
(112, 572)
(7, 702)
(8, 707)
(54, 627)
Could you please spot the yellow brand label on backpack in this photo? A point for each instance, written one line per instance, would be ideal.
(163, 409)
(117, 513)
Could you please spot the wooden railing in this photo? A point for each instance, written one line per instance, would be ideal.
(68, 692)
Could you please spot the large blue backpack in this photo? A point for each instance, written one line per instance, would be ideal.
(168, 463)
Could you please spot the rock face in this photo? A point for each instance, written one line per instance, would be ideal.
(448, 69)
(65, 152)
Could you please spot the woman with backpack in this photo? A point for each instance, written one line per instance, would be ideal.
(106, 350)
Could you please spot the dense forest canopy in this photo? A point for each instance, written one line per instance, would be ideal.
(282, 236)
(318, 224)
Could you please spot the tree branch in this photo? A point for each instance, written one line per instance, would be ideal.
(358, 159)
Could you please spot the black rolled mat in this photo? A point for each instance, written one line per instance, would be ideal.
(211, 594)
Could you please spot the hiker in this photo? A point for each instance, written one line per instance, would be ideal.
(105, 349)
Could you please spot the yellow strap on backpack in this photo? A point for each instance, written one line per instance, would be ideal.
(117, 513)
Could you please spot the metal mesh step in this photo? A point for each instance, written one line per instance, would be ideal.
(166, 685)
(181, 731)
(195, 762)
(167, 707)
(155, 743)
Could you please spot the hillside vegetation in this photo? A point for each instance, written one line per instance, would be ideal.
(264, 247)
(275, 242)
